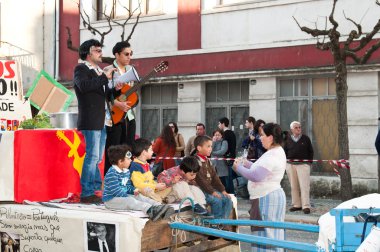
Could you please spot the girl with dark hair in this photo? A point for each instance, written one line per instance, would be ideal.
(179, 142)
(267, 197)
(219, 149)
(165, 146)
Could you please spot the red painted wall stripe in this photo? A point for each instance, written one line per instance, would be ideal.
(68, 59)
(306, 56)
(189, 24)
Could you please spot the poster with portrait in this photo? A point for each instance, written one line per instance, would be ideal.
(98, 234)
(10, 242)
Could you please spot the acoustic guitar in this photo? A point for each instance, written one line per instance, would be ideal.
(129, 94)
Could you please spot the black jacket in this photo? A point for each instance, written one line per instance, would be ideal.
(93, 245)
(230, 137)
(91, 91)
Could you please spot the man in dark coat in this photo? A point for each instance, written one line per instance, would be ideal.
(91, 89)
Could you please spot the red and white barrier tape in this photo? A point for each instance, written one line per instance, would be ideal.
(341, 163)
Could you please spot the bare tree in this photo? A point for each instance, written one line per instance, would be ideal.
(356, 44)
(123, 24)
(109, 17)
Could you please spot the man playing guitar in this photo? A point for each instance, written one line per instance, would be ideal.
(122, 132)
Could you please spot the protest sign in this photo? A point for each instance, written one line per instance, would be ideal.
(12, 104)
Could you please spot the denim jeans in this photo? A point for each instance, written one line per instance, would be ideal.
(220, 208)
(177, 161)
(90, 179)
(230, 180)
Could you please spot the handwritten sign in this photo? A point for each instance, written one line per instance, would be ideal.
(10, 81)
(17, 110)
(36, 229)
(12, 105)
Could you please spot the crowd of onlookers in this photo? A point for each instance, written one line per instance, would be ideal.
(180, 170)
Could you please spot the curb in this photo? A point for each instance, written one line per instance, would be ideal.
(305, 219)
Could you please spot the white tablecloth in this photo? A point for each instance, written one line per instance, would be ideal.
(6, 166)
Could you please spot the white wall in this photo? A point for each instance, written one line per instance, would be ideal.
(362, 113)
(155, 35)
(260, 24)
(262, 99)
(191, 107)
(263, 24)
(27, 34)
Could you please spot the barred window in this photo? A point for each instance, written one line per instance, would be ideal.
(159, 107)
(312, 101)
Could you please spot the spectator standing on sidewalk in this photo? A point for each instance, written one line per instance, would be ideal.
(219, 148)
(200, 131)
(298, 146)
(230, 137)
(268, 200)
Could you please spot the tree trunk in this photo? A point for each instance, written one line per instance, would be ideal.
(341, 94)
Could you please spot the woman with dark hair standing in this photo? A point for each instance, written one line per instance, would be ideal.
(165, 146)
(219, 149)
(179, 142)
(267, 196)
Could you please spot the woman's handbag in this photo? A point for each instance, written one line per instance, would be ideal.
(251, 152)
(158, 167)
(229, 162)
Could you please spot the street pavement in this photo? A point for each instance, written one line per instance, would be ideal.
(318, 208)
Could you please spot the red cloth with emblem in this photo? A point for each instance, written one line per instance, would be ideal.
(47, 164)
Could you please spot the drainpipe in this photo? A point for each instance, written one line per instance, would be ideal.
(56, 40)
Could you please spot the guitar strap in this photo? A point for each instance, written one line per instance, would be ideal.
(112, 98)
(113, 86)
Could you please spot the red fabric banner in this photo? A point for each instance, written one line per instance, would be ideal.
(47, 164)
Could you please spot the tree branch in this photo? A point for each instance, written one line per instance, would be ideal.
(312, 32)
(94, 31)
(69, 41)
(323, 46)
(353, 56)
(134, 27)
(130, 14)
(353, 34)
(365, 40)
(331, 17)
(369, 52)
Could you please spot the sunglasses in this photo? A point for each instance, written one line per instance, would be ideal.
(128, 155)
(97, 50)
(128, 54)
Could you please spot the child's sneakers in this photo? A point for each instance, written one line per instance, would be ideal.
(168, 213)
(156, 212)
(198, 209)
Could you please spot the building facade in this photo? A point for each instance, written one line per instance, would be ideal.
(240, 58)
